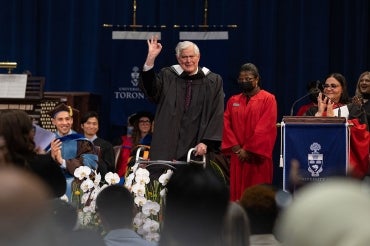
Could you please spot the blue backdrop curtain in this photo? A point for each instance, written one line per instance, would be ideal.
(292, 42)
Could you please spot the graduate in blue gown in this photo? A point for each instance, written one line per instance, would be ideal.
(72, 149)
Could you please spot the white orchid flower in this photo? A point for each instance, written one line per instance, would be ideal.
(142, 179)
(85, 218)
(142, 171)
(151, 207)
(151, 225)
(141, 231)
(90, 208)
(140, 200)
(139, 219)
(86, 185)
(85, 196)
(82, 172)
(138, 189)
(97, 179)
(112, 178)
(164, 178)
(128, 181)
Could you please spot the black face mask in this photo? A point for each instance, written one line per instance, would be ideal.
(246, 86)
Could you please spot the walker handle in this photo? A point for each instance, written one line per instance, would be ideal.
(188, 160)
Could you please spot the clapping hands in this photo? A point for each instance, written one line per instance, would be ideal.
(324, 103)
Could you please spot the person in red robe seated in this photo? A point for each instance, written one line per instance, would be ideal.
(249, 133)
(335, 102)
(141, 135)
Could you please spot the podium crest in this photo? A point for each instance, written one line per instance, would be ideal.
(315, 160)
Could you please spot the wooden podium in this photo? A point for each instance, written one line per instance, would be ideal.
(319, 145)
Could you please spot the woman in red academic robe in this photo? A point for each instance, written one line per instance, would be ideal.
(249, 133)
(334, 101)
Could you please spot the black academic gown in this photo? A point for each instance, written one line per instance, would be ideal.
(177, 130)
(106, 156)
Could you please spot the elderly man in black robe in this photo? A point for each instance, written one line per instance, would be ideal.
(190, 103)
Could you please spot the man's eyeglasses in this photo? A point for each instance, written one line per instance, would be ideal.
(331, 86)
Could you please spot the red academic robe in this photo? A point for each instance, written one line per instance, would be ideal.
(302, 110)
(359, 151)
(250, 123)
(124, 156)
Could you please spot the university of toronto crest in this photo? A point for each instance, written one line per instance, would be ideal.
(315, 160)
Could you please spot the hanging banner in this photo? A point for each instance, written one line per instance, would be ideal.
(320, 149)
(126, 96)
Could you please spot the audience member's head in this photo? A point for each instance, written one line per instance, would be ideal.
(343, 95)
(62, 118)
(18, 148)
(17, 131)
(90, 124)
(334, 212)
(196, 204)
(115, 206)
(142, 126)
(362, 90)
(236, 229)
(260, 204)
(65, 221)
(64, 215)
(4, 153)
(24, 208)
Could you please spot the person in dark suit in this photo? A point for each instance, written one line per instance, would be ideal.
(90, 127)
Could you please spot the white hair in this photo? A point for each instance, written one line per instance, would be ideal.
(184, 45)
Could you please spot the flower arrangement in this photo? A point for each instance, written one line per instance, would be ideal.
(149, 197)
(85, 188)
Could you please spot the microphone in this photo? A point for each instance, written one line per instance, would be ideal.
(312, 91)
(339, 112)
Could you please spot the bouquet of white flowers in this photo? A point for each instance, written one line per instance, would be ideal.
(85, 189)
(149, 196)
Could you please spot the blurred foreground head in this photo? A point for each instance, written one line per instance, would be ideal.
(334, 212)
(196, 204)
(24, 207)
(261, 207)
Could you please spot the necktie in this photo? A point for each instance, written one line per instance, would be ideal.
(188, 94)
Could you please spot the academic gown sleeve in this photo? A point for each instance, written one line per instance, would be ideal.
(359, 151)
(229, 138)
(263, 139)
